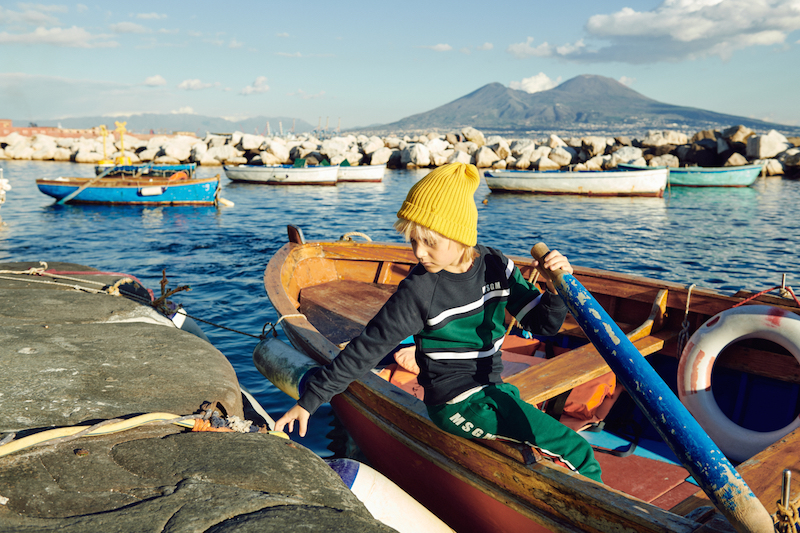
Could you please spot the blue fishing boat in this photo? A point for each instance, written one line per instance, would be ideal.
(741, 176)
(134, 190)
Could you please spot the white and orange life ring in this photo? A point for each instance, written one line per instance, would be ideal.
(697, 361)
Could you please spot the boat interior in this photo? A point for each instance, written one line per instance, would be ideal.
(757, 385)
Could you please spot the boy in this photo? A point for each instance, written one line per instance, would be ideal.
(454, 303)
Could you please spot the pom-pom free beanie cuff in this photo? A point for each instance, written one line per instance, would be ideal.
(444, 201)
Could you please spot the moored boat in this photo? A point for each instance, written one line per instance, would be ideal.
(361, 173)
(741, 176)
(645, 182)
(134, 190)
(326, 292)
(284, 174)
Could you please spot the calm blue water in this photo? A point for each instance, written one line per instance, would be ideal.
(725, 239)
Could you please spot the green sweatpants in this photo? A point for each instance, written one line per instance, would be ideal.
(498, 412)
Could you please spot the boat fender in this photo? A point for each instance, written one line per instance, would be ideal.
(387, 502)
(285, 367)
(697, 361)
(152, 191)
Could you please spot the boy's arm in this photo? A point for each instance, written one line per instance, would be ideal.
(401, 316)
(537, 312)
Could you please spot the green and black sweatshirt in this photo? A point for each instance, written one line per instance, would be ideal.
(458, 325)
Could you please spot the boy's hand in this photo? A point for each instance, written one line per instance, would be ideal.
(295, 413)
(553, 261)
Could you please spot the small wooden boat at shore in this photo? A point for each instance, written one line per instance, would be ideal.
(133, 190)
(741, 176)
(361, 173)
(284, 174)
(645, 182)
(326, 292)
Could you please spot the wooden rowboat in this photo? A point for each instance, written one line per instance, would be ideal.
(326, 292)
(361, 173)
(741, 176)
(647, 182)
(284, 174)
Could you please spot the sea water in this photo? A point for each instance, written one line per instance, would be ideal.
(720, 238)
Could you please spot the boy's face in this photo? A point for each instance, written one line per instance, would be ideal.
(440, 254)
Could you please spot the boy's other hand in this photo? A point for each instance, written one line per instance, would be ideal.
(295, 413)
(553, 261)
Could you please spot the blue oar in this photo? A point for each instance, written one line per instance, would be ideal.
(89, 183)
(693, 447)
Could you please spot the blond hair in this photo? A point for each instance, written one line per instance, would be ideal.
(414, 231)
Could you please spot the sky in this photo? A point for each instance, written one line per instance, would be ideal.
(355, 63)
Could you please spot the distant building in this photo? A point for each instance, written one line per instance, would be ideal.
(7, 128)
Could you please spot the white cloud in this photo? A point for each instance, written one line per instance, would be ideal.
(73, 37)
(150, 16)
(305, 96)
(28, 16)
(186, 110)
(485, 46)
(194, 85)
(687, 29)
(439, 47)
(128, 27)
(287, 54)
(465, 50)
(154, 81)
(258, 86)
(534, 84)
(626, 81)
(284, 34)
(524, 50)
(81, 8)
(235, 44)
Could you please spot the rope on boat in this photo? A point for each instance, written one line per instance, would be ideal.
(784, 290)
(264, 331)
(683, 336)
(787, 516)
(350, 234)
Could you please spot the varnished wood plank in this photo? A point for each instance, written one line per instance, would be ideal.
(568, 370)
(353, 300)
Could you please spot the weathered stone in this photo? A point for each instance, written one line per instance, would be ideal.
(460, 157)
(473, 135)
(563, 155)
(485, 157)
(737, 134)
(767, 146)
(544, 163)
(594, 145)
(416, 154)
(666, 160)
(381, 156)
(735, 160)
(772, 167)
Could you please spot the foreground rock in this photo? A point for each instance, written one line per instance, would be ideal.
(734, 146)
(76, 358)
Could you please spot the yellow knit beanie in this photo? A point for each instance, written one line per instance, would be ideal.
(444, 202)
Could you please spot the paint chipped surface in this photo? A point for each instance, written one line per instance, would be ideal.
(595, 314)
(611, 334)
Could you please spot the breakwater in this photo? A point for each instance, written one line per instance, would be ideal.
(733, 146)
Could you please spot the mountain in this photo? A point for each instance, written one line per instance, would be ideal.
(585, 102)
(169, 123)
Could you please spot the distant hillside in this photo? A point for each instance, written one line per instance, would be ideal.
(168, 123)
(583, 102)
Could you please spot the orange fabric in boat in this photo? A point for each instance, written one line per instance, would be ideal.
(180, 175)
(584, 400)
